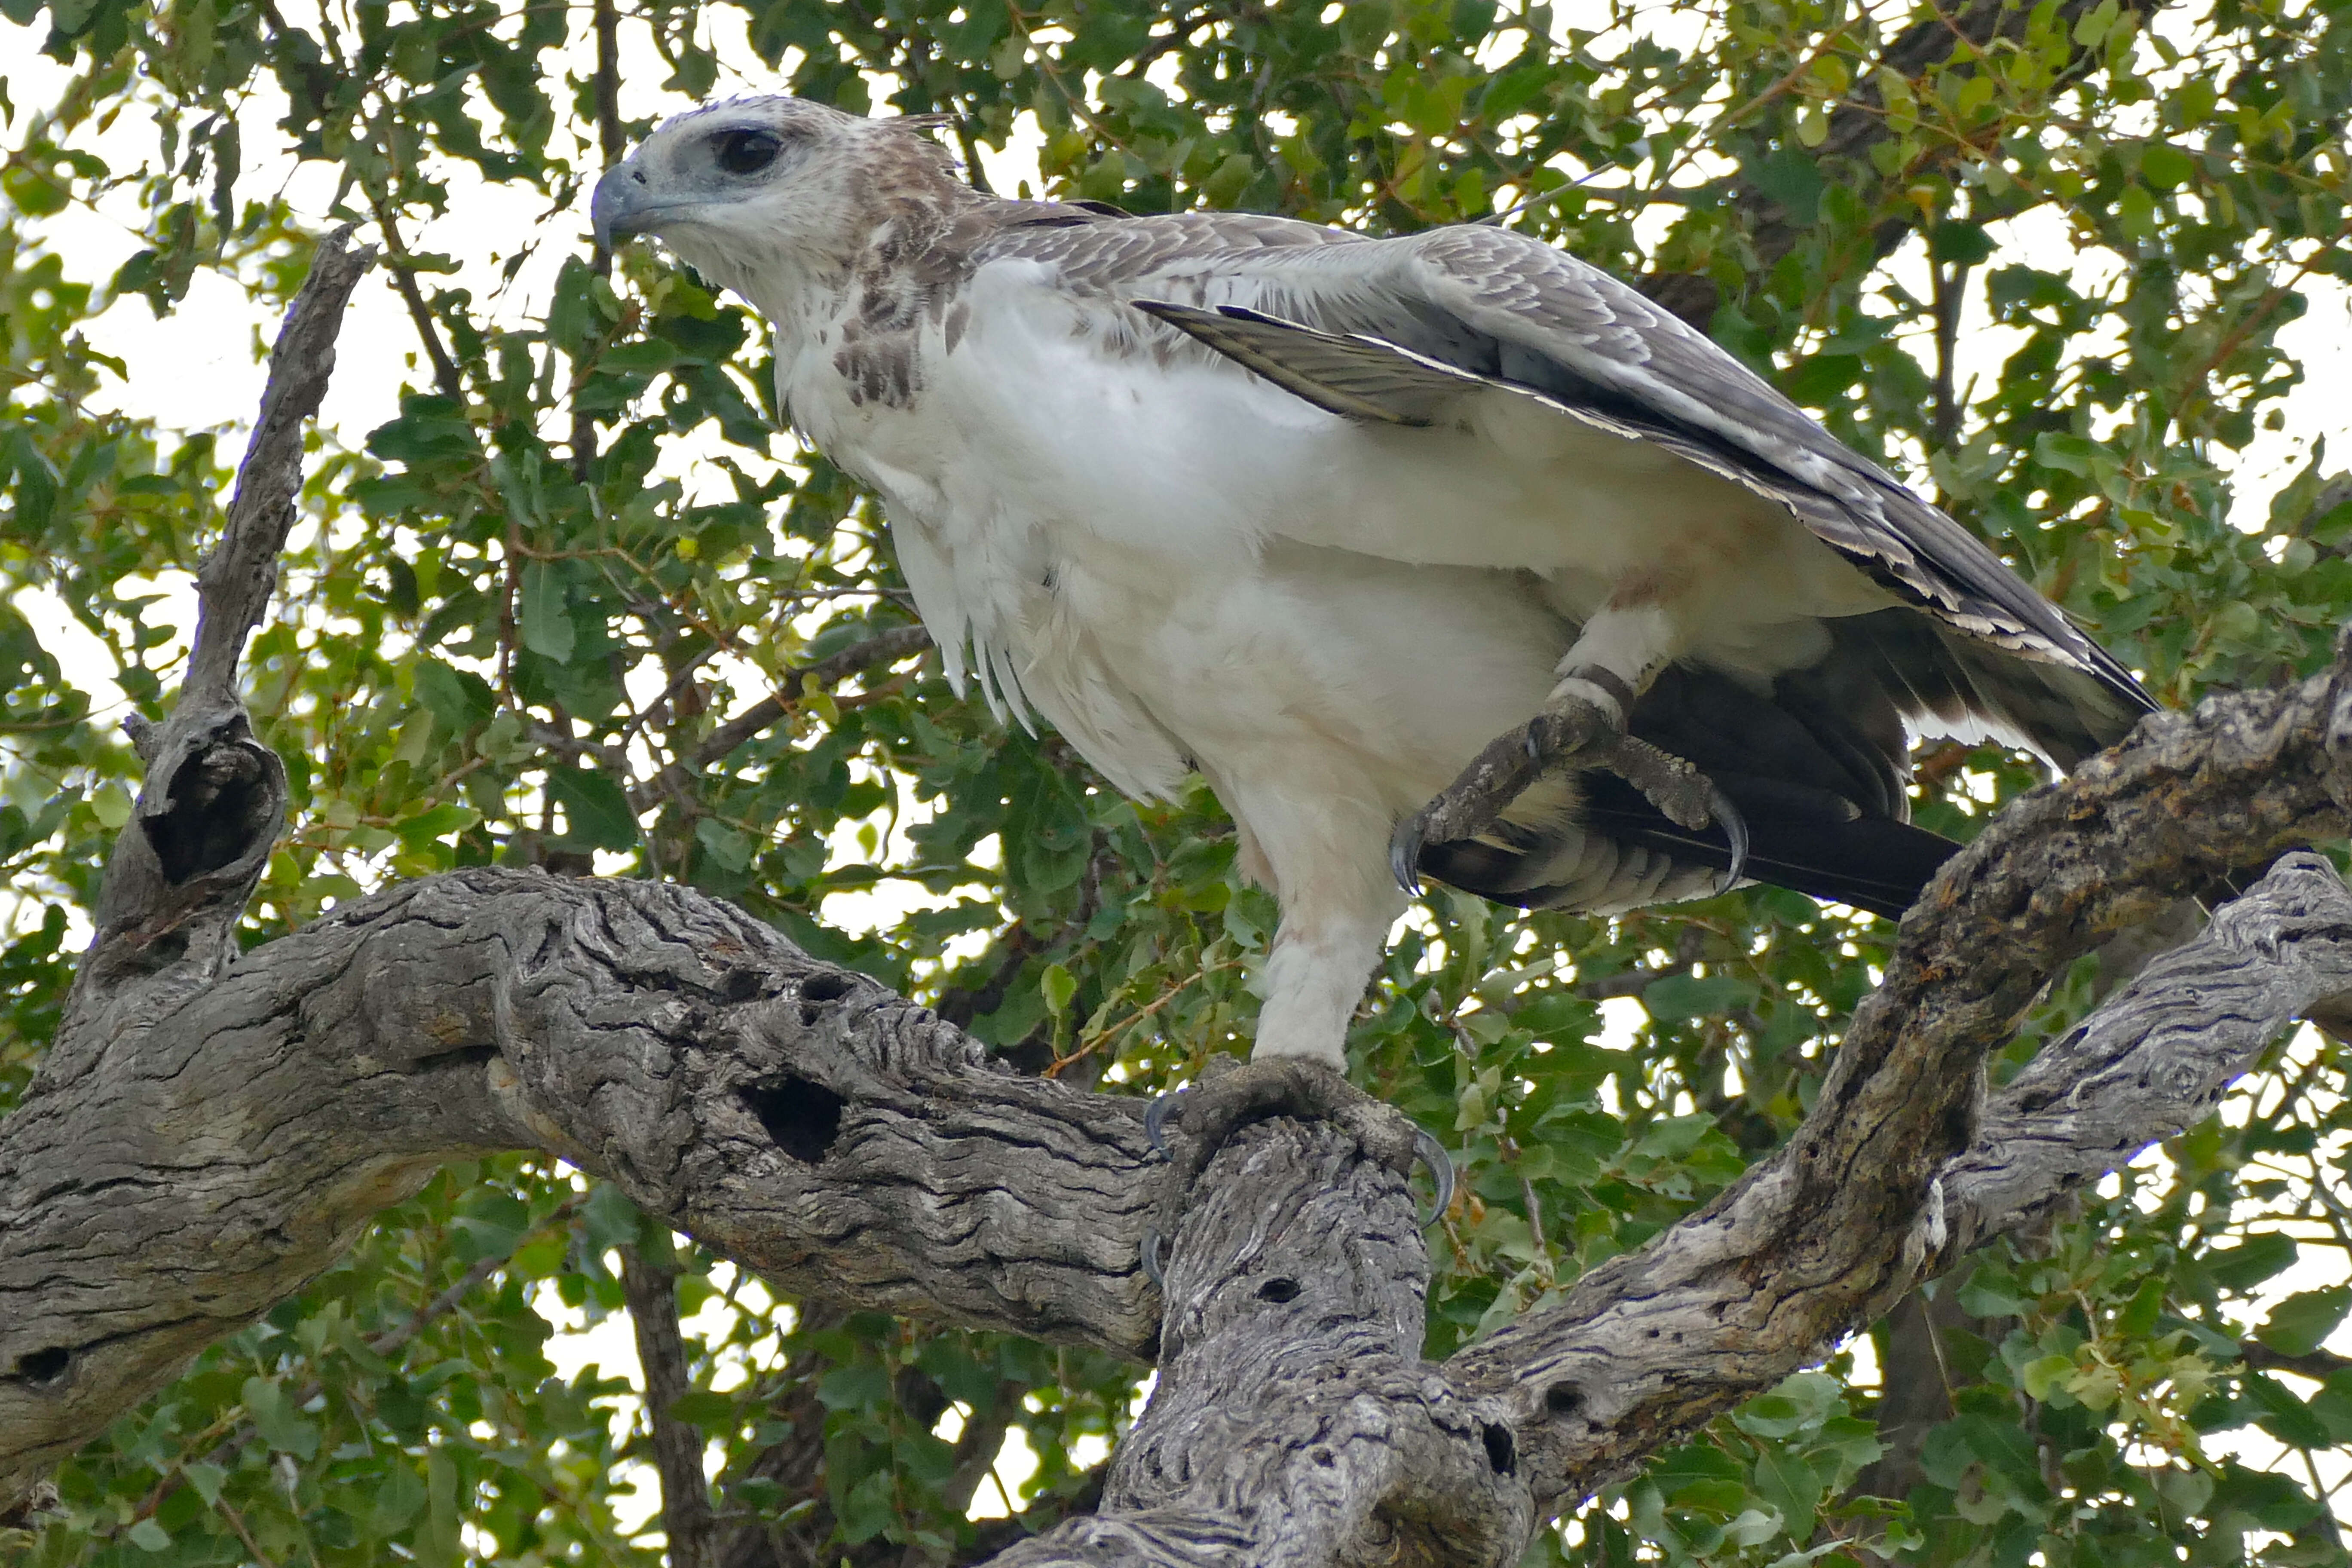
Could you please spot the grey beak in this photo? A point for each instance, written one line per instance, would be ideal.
(618, 201)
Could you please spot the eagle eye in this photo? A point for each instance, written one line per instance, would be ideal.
(746, 151)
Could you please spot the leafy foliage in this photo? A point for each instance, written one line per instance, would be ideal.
(527, 607)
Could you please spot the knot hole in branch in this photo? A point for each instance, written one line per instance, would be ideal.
(802, 1116)
(817, 991)
(1502, 1452)
(43, 1368)
(220, 803)
(1278, 1290)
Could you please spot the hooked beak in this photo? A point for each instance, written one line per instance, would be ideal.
(620, 206)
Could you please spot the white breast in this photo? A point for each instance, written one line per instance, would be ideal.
(1174, 561)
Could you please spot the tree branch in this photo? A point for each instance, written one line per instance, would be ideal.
(842, 1141)
(214, 797)
(2156, 1057)
(1829, 1232)
(650, 1287)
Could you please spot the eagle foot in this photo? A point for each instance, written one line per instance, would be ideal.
(1569, 731)
(1223, 1102)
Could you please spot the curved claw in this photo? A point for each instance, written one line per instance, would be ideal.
(1155, 1121)
(1441, 1168)
(1404, 855)
(1735, 828)
(1155, 1268)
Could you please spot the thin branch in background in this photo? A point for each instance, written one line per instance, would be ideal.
(651, 1289)
(446, 379)
(885, 648)
(1951, 286)
(228, 1511)
(608, 142)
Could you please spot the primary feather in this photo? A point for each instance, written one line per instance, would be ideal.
(1320, 515)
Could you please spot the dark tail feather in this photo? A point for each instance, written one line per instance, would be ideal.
(1804, 840)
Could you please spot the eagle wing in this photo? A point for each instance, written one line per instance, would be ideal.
(1397, 330)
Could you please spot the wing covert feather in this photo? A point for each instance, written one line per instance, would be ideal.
(1580, 336)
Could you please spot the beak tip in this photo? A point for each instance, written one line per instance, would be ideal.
(607, 210)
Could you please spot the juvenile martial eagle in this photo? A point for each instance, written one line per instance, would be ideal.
(1447, 542)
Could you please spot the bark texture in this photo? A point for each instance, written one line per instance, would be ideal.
(212, 1128)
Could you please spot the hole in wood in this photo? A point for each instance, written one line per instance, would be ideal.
(1563, 1399)
(1502, 1452)
(43, 1367)
(218, 802)
(803, 1118)
(818, 989)
(1278, 1290)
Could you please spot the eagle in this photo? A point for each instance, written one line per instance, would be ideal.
(1443, 553)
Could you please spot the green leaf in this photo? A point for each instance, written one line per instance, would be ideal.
(861, 1388)
(728, 845)
(457, 699)
(2285, 1416)
(1057, 987)
(399, 1498)
(595, 812)
(280, 1424)
(714, 1412)
(1991, 1293)
(205, 1478)
(1680, 998)
(2301, 1323)
(2165, 166)
(546, 628)
(2253, 1260)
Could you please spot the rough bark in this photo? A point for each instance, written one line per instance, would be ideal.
(212, 1128)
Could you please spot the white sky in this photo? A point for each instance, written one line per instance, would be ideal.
(200, 368)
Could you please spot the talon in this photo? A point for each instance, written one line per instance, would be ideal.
(1155, 1121)
(1432, 1153)
(1735, 828)
(1154, 1269)
(1404, 855)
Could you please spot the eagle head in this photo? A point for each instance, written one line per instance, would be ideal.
(739, 187)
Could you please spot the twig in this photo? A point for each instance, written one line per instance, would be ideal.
(885, 648)
(228, 1511)
(446, 379)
